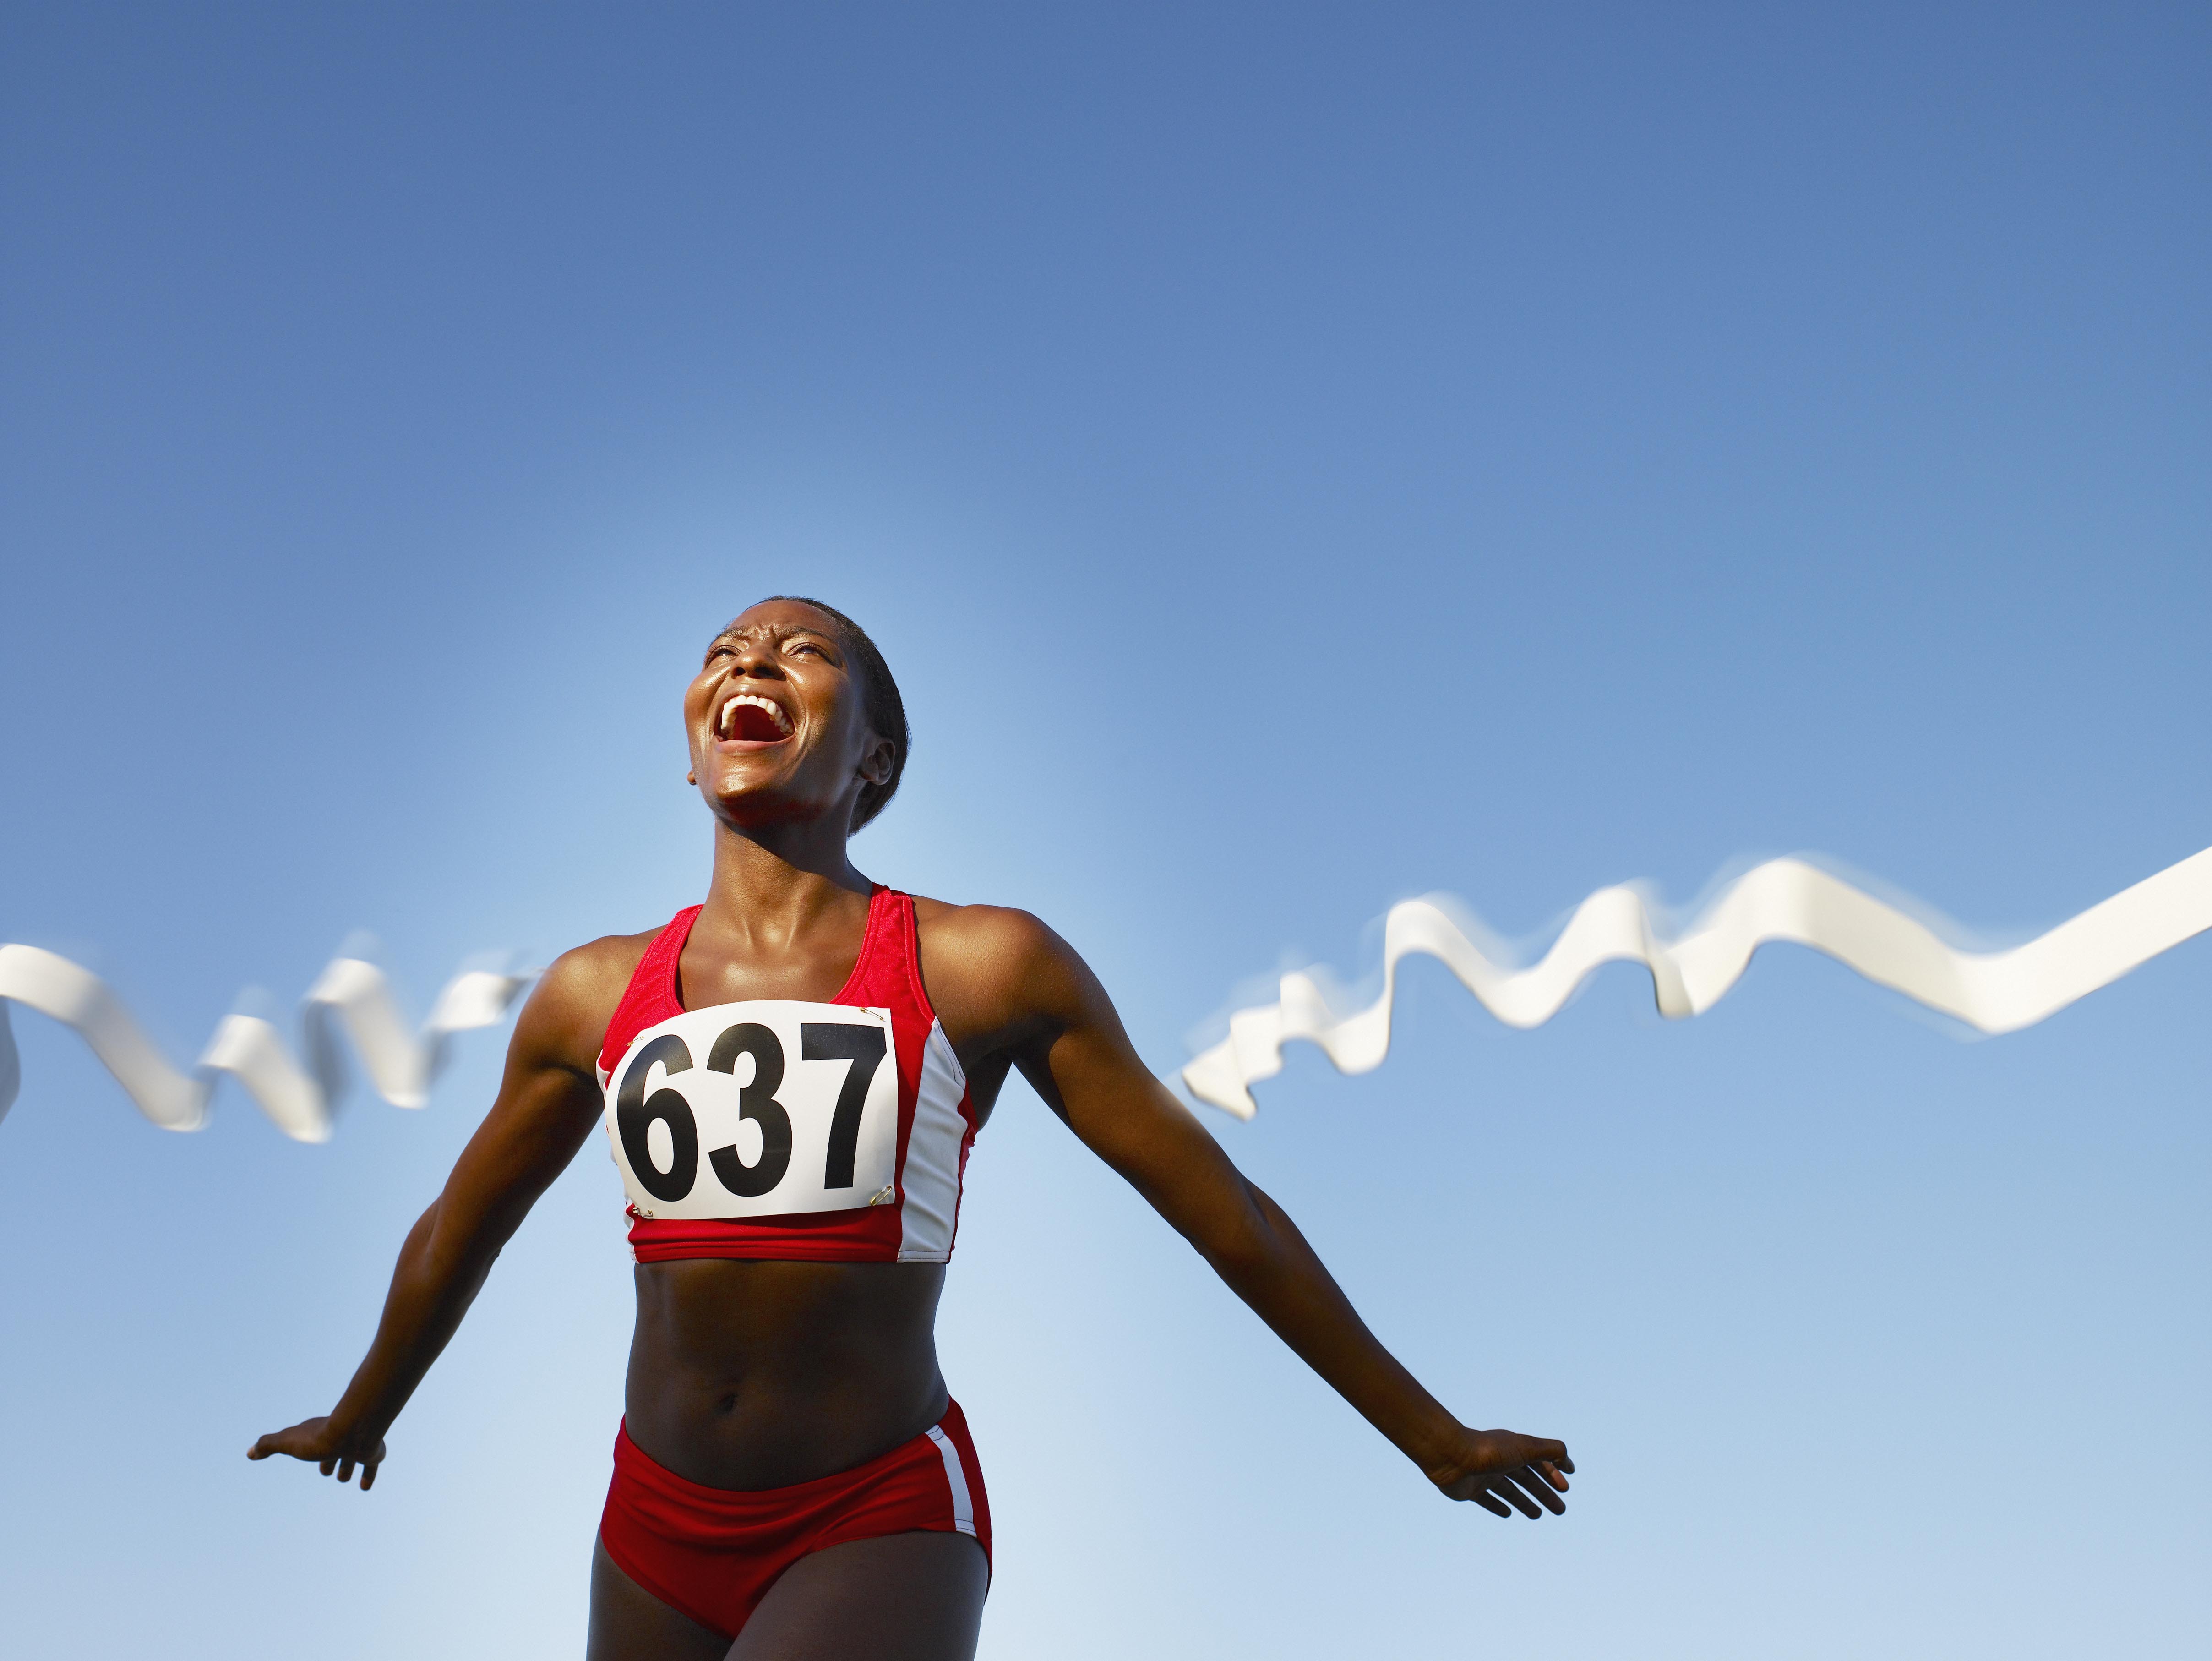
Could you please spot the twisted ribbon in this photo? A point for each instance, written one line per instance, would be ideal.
(350, 994)
(1781, 900)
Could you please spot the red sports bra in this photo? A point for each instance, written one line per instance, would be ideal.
(773, 1127)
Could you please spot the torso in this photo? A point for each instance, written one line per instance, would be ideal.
(758, 1372)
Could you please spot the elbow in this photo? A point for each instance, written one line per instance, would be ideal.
(1239, 1247)
(455, 1247)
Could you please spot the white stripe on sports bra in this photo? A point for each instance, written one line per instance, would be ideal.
(930, 1178)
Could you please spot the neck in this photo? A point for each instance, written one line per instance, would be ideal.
(772, 881)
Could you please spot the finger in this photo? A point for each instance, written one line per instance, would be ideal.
(1489, 1502)
(1529, 1486)
(1550, 1473)
(368, 1478)
(1545, 1495)
(1533, 1483)
(1564, 1464)
(1501, 1484)
(345, 1470)
(329, 1465)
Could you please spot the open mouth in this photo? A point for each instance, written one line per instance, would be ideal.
(751, 719)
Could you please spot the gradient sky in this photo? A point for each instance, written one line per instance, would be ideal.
(1293, 458)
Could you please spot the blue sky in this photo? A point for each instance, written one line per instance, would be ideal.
(1293, 458)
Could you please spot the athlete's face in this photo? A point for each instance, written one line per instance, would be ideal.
(779, 726)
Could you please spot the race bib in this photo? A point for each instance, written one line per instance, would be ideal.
(758, 1109)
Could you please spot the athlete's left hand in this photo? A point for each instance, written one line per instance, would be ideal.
(1496, 1469)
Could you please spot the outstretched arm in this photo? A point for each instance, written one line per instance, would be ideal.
(546, 1106)
(1069, 1044)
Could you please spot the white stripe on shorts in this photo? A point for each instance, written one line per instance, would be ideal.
(956, 1478)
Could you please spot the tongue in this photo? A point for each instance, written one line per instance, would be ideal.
(751, 721)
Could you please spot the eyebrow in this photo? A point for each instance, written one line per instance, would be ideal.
(733, 632)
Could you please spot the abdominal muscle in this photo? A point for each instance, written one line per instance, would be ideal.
(750, 1374)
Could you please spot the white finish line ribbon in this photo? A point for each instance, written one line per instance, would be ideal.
(350, 994)
(1781, 900)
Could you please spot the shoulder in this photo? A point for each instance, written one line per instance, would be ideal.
(566, 1018)
(998, 969)
(982, 934)
(990, 944)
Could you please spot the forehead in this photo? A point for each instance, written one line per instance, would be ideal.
(773, 618)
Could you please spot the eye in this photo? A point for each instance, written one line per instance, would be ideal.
(808, 646)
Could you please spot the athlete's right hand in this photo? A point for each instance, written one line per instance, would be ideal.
(322, 1442)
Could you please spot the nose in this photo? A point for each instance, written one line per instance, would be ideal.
(755, 660)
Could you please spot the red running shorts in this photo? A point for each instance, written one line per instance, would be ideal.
(712, 1553)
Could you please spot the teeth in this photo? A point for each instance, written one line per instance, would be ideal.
(775, 712)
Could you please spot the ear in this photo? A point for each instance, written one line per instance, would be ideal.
(876, 762)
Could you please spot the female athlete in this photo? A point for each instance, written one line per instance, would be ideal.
(791, 1075)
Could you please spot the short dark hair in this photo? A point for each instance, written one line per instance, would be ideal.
(878, 691)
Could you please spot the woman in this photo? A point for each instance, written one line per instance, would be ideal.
(791, 1075)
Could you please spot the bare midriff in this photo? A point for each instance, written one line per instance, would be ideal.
(752, 1374)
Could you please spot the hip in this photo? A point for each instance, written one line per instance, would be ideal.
(712, 1553)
